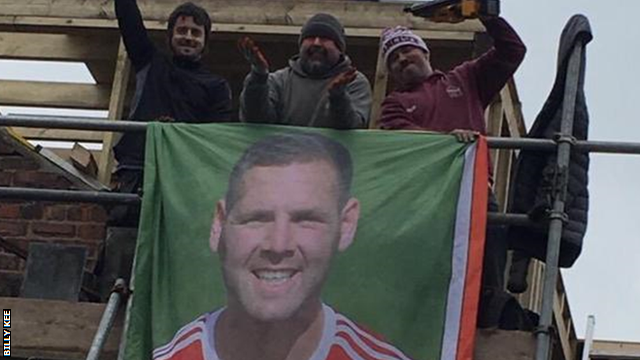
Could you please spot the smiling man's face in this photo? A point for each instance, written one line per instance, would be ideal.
(318, 54)
(277, 242)
(409, 65)
(188, 38)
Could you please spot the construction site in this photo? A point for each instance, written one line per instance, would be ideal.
(54, 201)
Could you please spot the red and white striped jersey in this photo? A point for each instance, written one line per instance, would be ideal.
(341, 339)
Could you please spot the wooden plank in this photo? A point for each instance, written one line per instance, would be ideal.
(513, 110)
(493, 116)
(379, 89)
(116, 104)
(48, 94)
(564, 327)
(504, 345)
(67, 25)
(61, 47)
(351, 13)
(57, 329)
(603, 349)
(501, 163)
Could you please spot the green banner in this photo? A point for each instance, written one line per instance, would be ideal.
(395, 289)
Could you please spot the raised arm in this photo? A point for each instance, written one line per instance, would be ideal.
(259, 98)
(350, 100)
(493, 69)
(139, 47)
(259, 94)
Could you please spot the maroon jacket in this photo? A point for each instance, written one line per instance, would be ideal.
(457, 99)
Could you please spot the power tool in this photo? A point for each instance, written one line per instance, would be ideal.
(454, 11)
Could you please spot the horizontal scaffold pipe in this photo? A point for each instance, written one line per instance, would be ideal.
(135, 126)
(102, 197)
(75, 123)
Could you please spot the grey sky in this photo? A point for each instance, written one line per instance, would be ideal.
(606, 279)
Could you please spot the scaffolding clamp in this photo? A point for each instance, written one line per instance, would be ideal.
(121, 288)
(541, 329)
(558, 215)
(560, 138)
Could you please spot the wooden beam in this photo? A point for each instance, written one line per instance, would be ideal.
(513, 110)
(494, 344)
(60, 47)
(617, 350)
(493, 116)
(67, 25)
(351, 13)
(48, 94)
(57, 329)
(379, 89)
(563, 326)
(116, 104)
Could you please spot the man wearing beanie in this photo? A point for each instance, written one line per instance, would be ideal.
(451, 102)
(454, 102)
(168, 88)
(319, 88)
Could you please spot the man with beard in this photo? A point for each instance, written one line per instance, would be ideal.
(168, 88)
(319, 88)
(287, 213)
(454, 103)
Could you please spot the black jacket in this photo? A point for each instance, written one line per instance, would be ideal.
(534, 172)
(165, 87)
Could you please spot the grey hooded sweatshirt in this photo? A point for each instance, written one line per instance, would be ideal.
(292, 97)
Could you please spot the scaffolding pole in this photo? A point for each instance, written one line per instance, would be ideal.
(99, 197)
(53, 122)
(557, 215)
(119, 292)
(134, 199)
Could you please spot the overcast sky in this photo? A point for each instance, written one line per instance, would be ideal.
(605, 281)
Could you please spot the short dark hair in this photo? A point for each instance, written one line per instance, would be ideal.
(281, 150)
(199, 14)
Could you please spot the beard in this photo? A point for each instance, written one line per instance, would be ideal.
(315, 61)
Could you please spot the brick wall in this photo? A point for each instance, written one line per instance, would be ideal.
(22, 222)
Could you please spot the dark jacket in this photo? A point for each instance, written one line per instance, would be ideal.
(534, 172)
(165, 87)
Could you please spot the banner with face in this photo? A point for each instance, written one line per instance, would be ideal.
(299, 243)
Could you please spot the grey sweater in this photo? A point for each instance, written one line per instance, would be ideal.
(290, 96)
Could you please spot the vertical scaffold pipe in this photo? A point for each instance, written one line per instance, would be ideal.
(108, 317)
(557, 216)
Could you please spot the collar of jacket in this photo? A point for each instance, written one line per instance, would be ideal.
(187, 63)
(434, 76)
(343, 64)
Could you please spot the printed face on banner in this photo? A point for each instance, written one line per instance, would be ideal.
(247, 244)
(276, 243)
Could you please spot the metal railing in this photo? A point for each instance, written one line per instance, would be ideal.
(563, 144)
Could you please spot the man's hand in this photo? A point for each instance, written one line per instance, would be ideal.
(339, 83)
(165, 118)
(465, 136)
(254, 56)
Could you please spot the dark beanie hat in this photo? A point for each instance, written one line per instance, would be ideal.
(326, 26)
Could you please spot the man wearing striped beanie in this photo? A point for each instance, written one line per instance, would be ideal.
(453, 102)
